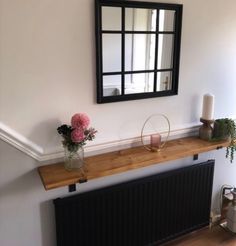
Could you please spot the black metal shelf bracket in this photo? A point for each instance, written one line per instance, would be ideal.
(72, 187)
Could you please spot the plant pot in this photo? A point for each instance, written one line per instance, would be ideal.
(74, 160)
(220, 131)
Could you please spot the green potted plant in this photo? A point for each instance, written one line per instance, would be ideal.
(224, 129)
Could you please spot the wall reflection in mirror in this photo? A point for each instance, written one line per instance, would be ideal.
(138, 51)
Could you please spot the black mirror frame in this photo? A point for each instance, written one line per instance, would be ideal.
(176, 53)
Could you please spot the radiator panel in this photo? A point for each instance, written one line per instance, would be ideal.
(147, 211)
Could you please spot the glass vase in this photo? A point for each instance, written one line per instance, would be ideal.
(74, 160)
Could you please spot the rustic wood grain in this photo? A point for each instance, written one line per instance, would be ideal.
(54, 175)
(216, 236)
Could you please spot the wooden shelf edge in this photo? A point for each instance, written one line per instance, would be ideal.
(60, 183)
(55, 176)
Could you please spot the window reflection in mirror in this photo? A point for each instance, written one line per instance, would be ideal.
(164, 81)
(165, 51)
(138, 46)
(166, 20)
(139, 52)
(140, 19)
(139, 83)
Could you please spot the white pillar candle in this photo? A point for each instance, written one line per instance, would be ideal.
(208, 107)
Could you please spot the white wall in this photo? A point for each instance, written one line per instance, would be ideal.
(47, 73)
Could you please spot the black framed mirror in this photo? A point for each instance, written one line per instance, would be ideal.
(137, 49)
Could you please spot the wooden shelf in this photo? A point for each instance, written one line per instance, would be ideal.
(54, 175)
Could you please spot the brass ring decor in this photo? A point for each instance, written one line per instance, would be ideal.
(151, 148)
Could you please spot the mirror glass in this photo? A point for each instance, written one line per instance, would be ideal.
(138, 49)
(165, 51)
(166, 20)
(137, 19)
(139, 52)
(111, 85)
(111, 54)
(139, 83)
(164, 81)
(111, 18)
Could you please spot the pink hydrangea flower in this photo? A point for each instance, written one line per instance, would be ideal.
(80, 121)
(77, 135)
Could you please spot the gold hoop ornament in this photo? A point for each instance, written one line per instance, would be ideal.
(154, 149)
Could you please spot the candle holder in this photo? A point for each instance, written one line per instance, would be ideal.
(206, 130)
(156, 144)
